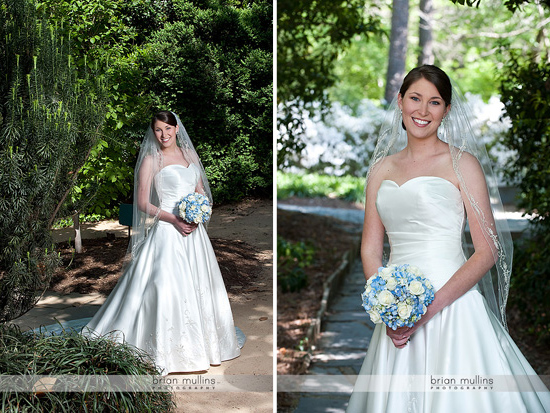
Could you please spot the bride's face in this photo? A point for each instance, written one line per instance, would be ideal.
(165, 134)
(423, 109)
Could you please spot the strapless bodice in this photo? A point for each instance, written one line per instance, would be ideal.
(424, 219)
(174, 182)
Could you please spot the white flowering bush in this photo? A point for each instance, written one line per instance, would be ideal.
(342, 141)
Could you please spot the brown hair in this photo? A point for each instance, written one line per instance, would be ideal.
(432, 74)
(164, 116)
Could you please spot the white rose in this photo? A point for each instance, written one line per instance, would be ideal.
(204, 208)
(385, 273)
(404, 310)
(368, 288)
(386, 298)
(415, 270)
(391, 283)
(375, 317)
(416, 287)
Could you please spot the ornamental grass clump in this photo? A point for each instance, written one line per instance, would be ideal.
(73, 354)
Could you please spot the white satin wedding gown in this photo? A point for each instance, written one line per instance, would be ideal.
(424, 219)
(171, 300)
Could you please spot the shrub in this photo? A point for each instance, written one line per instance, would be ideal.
(313, 185)
(73, 354)
(51, 114)
(526, 95)
(292, 258)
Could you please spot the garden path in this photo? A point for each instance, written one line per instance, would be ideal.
(346, 334)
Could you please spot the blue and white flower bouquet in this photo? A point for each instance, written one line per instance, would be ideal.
(195, 208)
(397, 296)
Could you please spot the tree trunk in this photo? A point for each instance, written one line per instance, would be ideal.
(398, 48)
(77, 235)
(425, 42)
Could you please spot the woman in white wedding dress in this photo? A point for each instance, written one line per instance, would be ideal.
(428, 175)
(171, 300)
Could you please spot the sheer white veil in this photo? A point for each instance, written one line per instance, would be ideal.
(457, 132)
(148, 183)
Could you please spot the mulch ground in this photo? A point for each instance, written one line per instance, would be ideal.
(99, 266)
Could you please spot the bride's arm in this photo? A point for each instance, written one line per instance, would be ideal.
(372, 240)
(483, 258)
(144, 204)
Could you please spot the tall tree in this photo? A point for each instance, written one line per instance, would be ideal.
(425, 40)
(50, 118)
(398, 48)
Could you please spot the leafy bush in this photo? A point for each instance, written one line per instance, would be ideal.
(73, 354)
(313, 185)
(209, 61)
(213, 66)
(68, 221)
(526, 95)
(292, 258)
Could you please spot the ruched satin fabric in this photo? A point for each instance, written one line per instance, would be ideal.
(424, 219)
(171, 301)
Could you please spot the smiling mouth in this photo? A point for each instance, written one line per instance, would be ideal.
(420, 122)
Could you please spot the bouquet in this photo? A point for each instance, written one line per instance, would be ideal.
(397, 296)
(195, 208)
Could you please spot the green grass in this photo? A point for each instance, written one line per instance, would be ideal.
(68, 221)
(29, 355)
(347, 188)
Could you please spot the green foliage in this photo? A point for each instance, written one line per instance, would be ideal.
(51, 115)
(96, 28)
(346, 187)
(526, 95)
(73, 354)
(511, 5)
(359, 73)
(465, 40)
(213, 66)
(292, 258)
(110, 31)
(68, 222)
(208, 61)
(310, 37)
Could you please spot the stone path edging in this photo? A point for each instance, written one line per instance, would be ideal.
(330, 285)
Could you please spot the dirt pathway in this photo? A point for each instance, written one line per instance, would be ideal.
(250, 221)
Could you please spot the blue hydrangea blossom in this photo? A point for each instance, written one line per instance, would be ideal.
(398, 296)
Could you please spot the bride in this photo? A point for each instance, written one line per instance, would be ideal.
(428, 174)
(171, 300)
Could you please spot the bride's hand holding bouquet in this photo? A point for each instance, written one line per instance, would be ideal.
(398, 296)
(193, 209)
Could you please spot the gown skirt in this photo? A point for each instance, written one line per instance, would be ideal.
(171, 300)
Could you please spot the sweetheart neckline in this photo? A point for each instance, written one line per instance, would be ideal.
(420, 177)
(175, 164)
